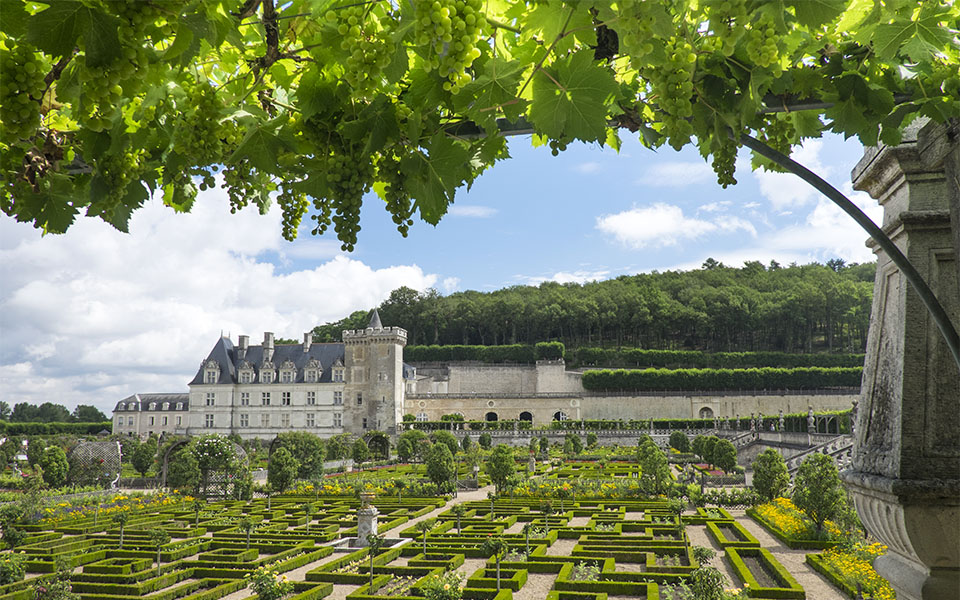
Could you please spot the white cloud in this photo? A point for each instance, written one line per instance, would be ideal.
(471, 211)
(579, 276)
(94, 315)
(826, 232)
(676, 174)
(588, 168)
(785, 191)
(450, 284)
(719, 206)
(664, 225)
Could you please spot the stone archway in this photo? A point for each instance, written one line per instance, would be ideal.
(526, 416)
(706, 412)
(379, 443)
(491, 417)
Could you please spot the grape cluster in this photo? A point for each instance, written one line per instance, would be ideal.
(198, 132)
(349, 175)
(117, 170)
(724, 16)
(365, 42)
(447, 31)
(396, 195)
(241, 184)
(635, 30)
(21, 86)
(673, 85)
(293, 205)
(558, 146)
(762, 42)
(724, 150)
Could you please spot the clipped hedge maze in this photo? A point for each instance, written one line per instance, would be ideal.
(589, 550)
(208, 555)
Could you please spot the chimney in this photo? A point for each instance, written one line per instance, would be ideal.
(307, 340)
(242, 345)
(268, 346)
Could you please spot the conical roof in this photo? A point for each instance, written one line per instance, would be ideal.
(375, 320)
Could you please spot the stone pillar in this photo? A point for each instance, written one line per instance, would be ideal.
(905, 474)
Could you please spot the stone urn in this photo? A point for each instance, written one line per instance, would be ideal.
(366, 498)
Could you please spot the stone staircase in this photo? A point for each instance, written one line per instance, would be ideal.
(839, 448)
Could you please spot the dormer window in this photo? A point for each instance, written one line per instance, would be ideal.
(179, 405)
(288, 372)
(153, 406)
(166, 406)
(286, 376)
(211, 371)
(266, 376)
(338, 375)
(312, 372)
(245, 376)
(121, 406)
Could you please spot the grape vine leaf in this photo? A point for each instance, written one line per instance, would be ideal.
(101, 44)
(920, 39)
(56, 29)
(495, 87)
(53, 208)
(571, 98)
(814, 13)
(433, 177)
(15, 18)
(261, 146)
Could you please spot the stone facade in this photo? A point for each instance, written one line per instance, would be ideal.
(143, 415)
(905, 477)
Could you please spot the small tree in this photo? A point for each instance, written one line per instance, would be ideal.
(375, 544)
(121, 519)
(527, 527)
(458, 511)
(817, 490)
(495, 547)
(485, 440)
(679, 441)
(55, 466)
(575, 442)
(725, 455)
(544, 445)
(441, 467)
(246, 524)
(534, 445)
(282, 470)
(360, 452)
(500, 466)
(309, 510)
(198, 505)
(465, 443)
(591, 440)
(547, 509)
(143, 457)
(697, 445)
(159, 537)
(447, 438)
(424, 527)
(709, 449)
(183, 471)
(399, 485)
(654, 468)
(770, 477)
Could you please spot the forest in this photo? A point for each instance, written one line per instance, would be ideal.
(796, 308)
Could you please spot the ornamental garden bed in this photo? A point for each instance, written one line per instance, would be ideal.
(791, 527)
(757, 569)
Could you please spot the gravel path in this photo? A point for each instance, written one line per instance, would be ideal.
(699, 537)
(536, 587)
(816, 586)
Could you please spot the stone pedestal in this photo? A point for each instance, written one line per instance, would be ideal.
(905, 474)
(532, 465)
(366, 524)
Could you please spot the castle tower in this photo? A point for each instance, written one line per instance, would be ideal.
(373, 392)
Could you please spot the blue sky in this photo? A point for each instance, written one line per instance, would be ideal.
(95, 315)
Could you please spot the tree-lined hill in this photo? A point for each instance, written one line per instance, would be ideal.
(798, 308)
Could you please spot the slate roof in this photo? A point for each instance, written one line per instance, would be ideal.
(375, 320)
(141, 402)
(227, 355)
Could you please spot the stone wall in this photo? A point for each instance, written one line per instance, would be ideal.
(543, 407)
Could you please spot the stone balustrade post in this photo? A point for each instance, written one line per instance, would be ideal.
(905, 471)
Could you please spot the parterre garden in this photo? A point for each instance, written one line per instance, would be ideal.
(572, 531)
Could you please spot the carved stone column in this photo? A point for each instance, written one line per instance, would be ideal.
(905, 474)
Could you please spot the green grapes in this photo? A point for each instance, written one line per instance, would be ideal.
(366, 44)
(762, 42)
(293, 205)
(116, 170)
(240, 183)
(397, 198)
(558, 146)
(349, 176)
(21, 88)
(447, 32)
(672, 85)
(724, 150)
(724, 16)
(635, 30)
(198, 133)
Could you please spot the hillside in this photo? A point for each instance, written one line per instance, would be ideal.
(798, 308)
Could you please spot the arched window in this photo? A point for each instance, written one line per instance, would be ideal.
(526, 416)
(560, 416)
(706, 413)
(492, 416)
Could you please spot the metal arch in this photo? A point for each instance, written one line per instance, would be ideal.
(166, 459)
